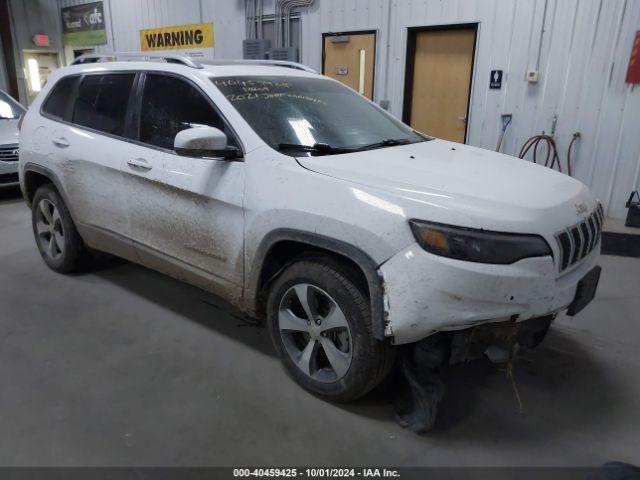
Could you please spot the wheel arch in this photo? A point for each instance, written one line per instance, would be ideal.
(269, 261)
(34, 176)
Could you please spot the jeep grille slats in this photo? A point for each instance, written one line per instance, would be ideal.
(565, 249)
(593, 226)
(586, 239)
(578, 241)
(8, 153)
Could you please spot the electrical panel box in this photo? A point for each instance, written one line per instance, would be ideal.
(289, 54)
(255, 49)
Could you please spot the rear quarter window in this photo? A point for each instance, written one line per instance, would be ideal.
(60, 98)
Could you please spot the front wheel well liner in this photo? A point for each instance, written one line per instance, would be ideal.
(282, 247)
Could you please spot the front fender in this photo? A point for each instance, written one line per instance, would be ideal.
(368, 266)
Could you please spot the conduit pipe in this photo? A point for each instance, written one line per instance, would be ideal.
(249, 12)
(283, 15)
(278, 22)
(288, 7)
(254, 12)
(259, 16)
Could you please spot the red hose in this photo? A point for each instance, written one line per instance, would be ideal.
(552, 150)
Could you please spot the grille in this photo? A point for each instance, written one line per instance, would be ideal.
(8, 178)
(577, 241)
(8, 153)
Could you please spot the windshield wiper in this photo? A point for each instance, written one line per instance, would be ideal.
(389, 142)
(320, 148)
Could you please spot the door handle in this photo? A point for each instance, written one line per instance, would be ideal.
(139, 163)
(60, 142)
(463, 119)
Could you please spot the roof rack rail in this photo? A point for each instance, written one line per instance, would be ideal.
(113, 56)
(273, 63)
(183, 60)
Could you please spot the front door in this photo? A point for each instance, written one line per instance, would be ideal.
(186, 214)
(350, 59)
(439, 81)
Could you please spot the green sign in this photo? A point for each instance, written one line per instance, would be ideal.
(84, 24)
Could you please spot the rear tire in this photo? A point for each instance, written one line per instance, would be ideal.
(57, 238)
(320, 324)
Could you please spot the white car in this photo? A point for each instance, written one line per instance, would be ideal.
(10, 112)
(299, 201)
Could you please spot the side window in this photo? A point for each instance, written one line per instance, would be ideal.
(102, 102)
(170, 105)
(60, 97)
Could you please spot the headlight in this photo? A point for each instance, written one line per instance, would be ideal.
(479, 246)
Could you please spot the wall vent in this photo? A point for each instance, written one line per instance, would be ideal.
(289, 54)
(255, 49)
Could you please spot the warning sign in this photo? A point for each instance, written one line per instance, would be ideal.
(178, 37)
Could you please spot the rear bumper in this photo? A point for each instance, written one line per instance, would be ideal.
(426, 293)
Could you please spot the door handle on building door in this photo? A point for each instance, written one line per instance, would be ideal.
(463, 119)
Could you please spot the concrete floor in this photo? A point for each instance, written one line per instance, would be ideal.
(123, 366)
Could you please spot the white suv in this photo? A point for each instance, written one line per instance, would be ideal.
(298, 200)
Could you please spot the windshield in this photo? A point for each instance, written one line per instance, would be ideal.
(9, 108)
(290, 113)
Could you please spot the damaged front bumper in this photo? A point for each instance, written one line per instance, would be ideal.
(426, 293)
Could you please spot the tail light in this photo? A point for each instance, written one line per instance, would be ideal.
(20, 120)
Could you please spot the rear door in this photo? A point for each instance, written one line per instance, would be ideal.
(186, 214)
(88, 141)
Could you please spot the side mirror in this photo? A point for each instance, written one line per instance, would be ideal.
(203, 142)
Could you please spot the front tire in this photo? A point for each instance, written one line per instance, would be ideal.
(58, 241)
(320, 324)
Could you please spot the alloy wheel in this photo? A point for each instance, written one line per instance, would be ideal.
(315, 333)
(50, 233)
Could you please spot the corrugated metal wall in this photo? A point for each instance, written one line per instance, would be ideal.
(125, 19)
(4, 78)
(29, 17)
(583, 60)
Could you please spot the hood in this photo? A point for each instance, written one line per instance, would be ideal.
(8, 131)
(487, 189)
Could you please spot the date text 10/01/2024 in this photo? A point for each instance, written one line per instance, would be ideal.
(316, 472)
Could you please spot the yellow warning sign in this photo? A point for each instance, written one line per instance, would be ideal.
(178, 37)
